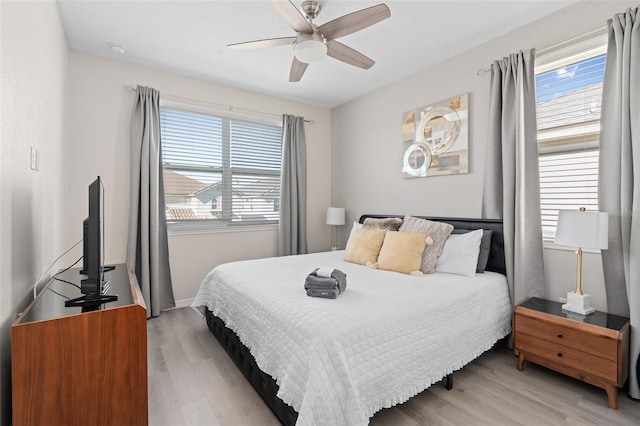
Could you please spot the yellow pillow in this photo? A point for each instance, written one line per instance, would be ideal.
(365, 246)
(402, 252)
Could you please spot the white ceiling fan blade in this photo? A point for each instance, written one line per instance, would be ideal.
(348, 55)
(290, 13)
(355, 21)
(297, 70)
(256, 44)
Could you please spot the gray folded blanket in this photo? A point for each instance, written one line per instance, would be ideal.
(337, 281)
(327, 294)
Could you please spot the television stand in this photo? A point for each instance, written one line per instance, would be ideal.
(74, 367)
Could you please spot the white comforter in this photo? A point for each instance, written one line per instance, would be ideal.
(388, 337)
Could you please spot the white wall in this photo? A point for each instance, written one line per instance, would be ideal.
(100, 111)
(367, 150)
(33, 99)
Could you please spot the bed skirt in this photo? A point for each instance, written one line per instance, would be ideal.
(264, 384)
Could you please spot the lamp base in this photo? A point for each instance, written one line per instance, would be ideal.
(579, 303)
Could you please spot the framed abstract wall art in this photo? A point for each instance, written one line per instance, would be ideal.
(435, 139)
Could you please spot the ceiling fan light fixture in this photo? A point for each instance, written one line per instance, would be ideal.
(310, 50)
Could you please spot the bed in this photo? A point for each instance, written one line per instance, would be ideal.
(388, 337)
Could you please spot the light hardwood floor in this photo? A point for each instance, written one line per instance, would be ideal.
(192, 381)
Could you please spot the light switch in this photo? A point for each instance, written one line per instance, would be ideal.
(34, 162)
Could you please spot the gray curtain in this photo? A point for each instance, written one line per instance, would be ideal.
(147, 248)
(292, 236)
(619, 176)
(512, 181)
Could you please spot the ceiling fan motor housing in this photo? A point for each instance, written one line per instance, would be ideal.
(311, 9)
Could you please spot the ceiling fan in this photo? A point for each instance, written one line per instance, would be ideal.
(312, 43)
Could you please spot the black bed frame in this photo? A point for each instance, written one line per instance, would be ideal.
(266, 386)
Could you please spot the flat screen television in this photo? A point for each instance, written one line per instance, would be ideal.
(94, 286)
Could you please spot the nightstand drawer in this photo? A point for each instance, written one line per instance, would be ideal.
(579, 360)
(601, 346)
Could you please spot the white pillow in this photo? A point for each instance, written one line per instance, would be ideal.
(356, 225)
(460, 254)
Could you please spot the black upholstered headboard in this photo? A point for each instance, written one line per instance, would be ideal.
(496, 261)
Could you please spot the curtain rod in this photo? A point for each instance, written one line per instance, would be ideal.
(130, 88)
(571, 40)
(602, 29)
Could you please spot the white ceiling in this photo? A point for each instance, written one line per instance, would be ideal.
(190, 38)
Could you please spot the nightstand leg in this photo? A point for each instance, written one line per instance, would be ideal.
(520, 360)
(612, 393)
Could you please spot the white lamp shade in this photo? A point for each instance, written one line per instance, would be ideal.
(582, 229)
(309, 51)
(335, 215)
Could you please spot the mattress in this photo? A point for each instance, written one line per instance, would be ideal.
(388, 337)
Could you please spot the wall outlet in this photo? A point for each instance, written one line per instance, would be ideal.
(34, 161)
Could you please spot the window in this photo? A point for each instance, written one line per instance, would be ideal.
(569, 96)
(219, 169)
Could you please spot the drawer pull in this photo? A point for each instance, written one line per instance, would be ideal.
(559, 336)
(559, 354)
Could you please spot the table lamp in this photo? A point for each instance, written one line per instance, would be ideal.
(335, 217)
(581, 229)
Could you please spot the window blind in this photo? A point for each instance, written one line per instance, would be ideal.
(568, 180)
(568, 101)
(190, 139)
(219, 168)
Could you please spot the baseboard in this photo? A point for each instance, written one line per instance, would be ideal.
(183, 303)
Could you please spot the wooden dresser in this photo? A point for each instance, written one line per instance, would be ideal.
(592, 348)
(70, 367)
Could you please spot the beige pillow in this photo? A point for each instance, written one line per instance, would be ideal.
(388, 223)
(402, 252)
(438, 231)
(365, 246)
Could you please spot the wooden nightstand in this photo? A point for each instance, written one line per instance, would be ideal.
(592, 348)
